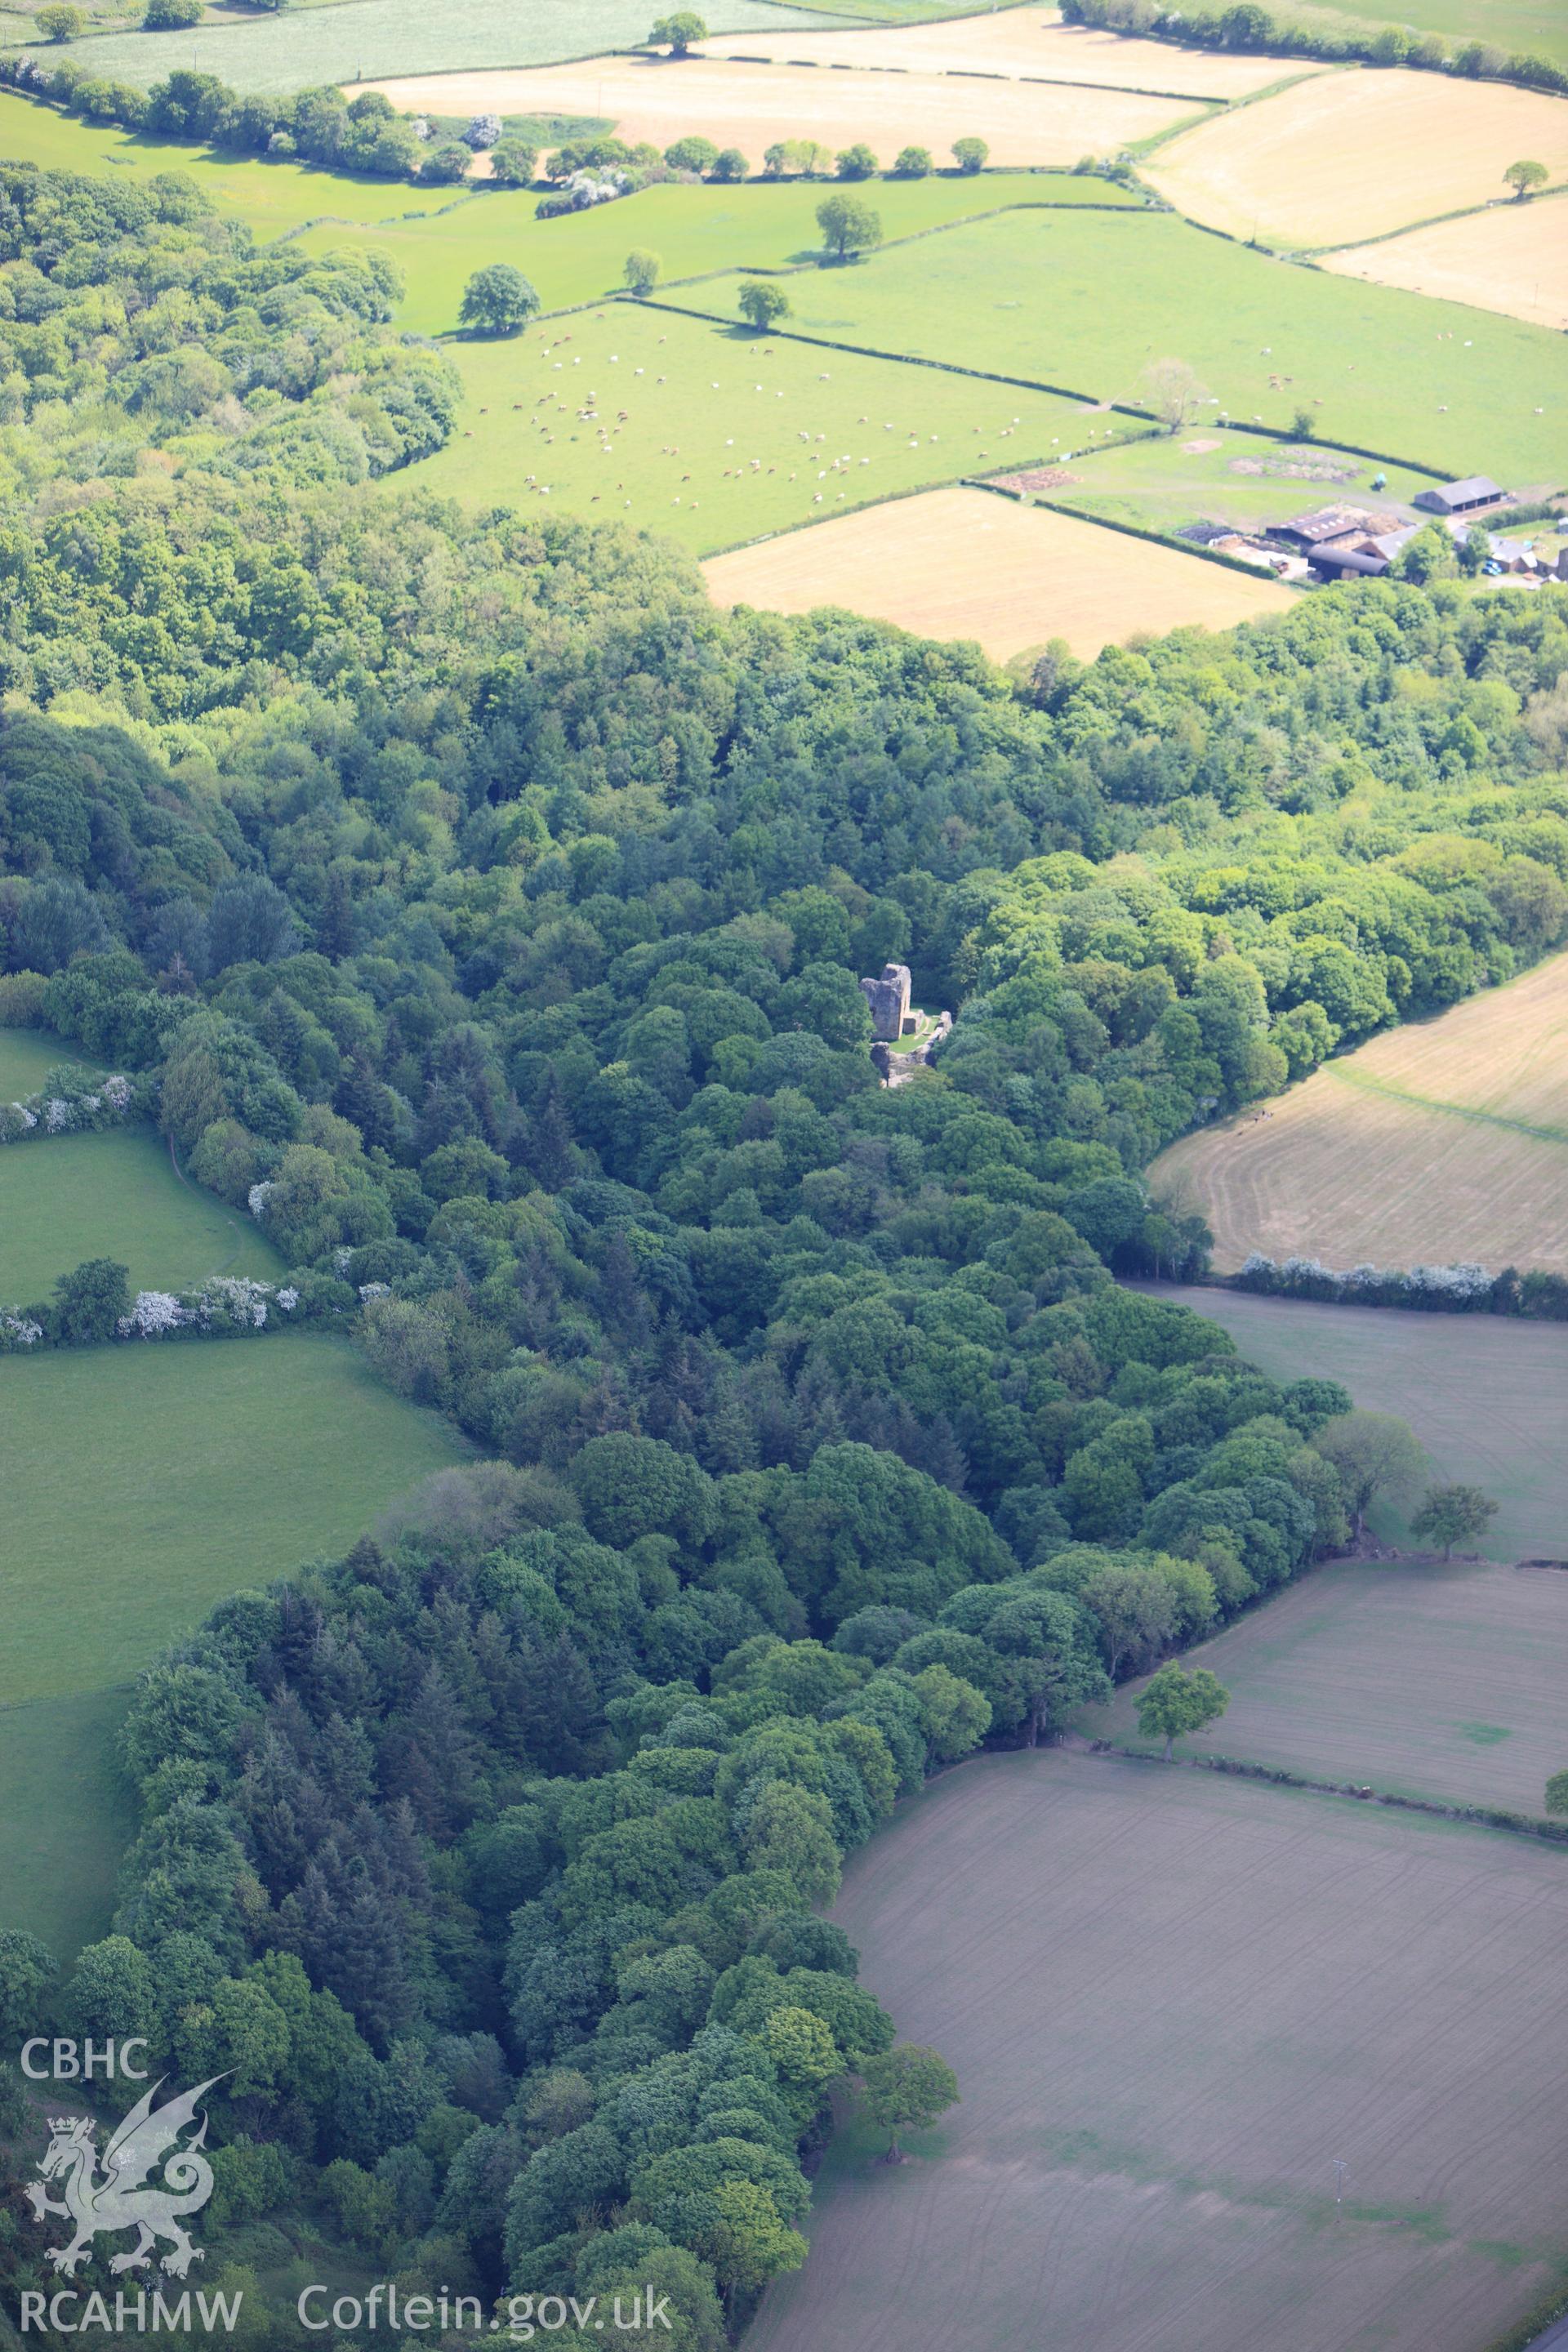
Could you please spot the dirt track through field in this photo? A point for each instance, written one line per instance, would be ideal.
(966, 563)
(1349, 155)
(1512, 257)
(752, 107)
(1016, 42)
(1440, 1141)
(1173, 2002)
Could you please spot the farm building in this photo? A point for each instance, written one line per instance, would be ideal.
(1469, 496)
(1326, 524)
(1341, 561)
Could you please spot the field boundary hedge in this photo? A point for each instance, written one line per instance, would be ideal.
(1495, 1817)
(1312, 253)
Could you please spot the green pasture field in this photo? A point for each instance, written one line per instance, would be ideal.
(1090, 300)
(367, 41)
(579, 258)
(1173, 2001)
(141, 1484)
(26, 1057)
(1487, 1395)
(272, 197)
(1537, 28)
(1162, 484)
(696, 415)
(116, 1194)
(1433, 1682)
(67, 1815)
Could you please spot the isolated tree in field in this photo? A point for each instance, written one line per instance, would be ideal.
(677, 32)
(728, 165)
(969, 154)
(513, 163)
(913, 164)
(1177, 1702)
(1449, 1515)
(1173, 391)
(1375, 1454)
(642, 270)
(848, 225)
(497, 300)
(1557, 1793)
(1303, 425)
(692, 153)
(1522, 178)
(906, 2090)
(90, 1300)
(763, 302)
(855, 163)
(61, 22)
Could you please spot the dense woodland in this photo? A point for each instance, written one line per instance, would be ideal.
(485, 912)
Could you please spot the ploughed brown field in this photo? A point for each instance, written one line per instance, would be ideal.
(967, 563)
(1173, 2001)
(1425, 1681)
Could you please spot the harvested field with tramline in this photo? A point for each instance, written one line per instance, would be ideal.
(1018, 43)
(1174, 2001)
(1512, 257)
(752, 107)
(1440, 1141)
(966, 563)
(1350, 155)
(1423, 1681)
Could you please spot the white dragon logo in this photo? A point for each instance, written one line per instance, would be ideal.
(120, 2199)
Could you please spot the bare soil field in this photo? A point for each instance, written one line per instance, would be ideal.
(1441, 1141)
(1487, 1395)
(1434, 1682)
(751, 107)
(1173, 2002)
(1349, 155)
(1018, 43)
(963, 563)
(1512, 257)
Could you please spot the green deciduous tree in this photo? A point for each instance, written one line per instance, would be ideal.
(1375, 1454)
(763, 302)
(913, 164)
(61, 22)
(855, 163)
(513, 163)
(677, 32)
(907, 2089)
(497, 299)
(1450, 1515)
(641, 270)
(848, 225)
(173, 15)
(969, 154)
(1557, 1793)
(90, 1300)
(1177, 1701)
(728, 165)
(692, 153)
(1525, 177)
